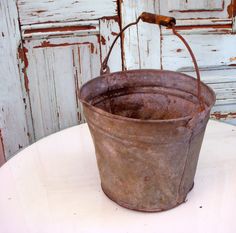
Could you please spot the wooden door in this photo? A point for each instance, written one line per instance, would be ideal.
(48, 50)
(208, 26)
(13, 125)
(63, 44)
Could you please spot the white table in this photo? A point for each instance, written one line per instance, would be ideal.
(53, 186)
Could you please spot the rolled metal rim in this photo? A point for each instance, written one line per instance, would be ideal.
(122, 118)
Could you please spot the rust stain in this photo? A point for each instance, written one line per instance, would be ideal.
(22, 51)
(61, 29)
(219, 115)
(231, 9)
(103, 40)
(179, 50)
(2, 150)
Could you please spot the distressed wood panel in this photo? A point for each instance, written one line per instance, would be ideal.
(141, 42)
(46, 30)
(223, 82)
(193, 5)
(210, 50)
(191, 9)
(43, 11)
(12, 117)
(57, 68)
(108, 32)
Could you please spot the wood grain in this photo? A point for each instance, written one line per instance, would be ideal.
(12, 117)
(141, 42)
(41, 11)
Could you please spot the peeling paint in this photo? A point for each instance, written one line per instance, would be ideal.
(61, 29)
(22, 51)
(216, 26)
(41, 11)
(220, 115)
(103, 40)
(2, 151)
(231, 9)
(47, 44)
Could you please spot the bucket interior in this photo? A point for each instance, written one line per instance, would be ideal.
(150, 95)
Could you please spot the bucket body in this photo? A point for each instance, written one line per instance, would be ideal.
(147, 132)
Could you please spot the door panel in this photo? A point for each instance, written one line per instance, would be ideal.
(193, 5)
(208, 27)
(211, 50)
(191, 9)
(41, 11)
(57, 68)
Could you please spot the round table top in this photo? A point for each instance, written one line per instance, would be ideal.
(53, 186)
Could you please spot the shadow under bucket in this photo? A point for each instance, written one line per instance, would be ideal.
(147, 127)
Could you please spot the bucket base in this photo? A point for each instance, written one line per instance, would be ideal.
(127, 206)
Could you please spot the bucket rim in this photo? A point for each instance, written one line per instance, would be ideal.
(123, 118)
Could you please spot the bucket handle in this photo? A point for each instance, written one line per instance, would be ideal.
(163, 21)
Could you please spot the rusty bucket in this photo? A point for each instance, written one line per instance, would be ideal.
(147, 127)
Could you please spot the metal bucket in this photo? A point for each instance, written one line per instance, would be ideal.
(147, 127)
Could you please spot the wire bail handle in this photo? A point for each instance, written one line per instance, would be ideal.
(166, 21)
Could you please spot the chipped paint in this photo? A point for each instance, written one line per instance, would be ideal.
(2, 152)
(48, 44)
(41, 11)
(61, 29)
(231, 9)
(215, 26)
(115, 18)
(22, 55)
(103, 40)
(221, 115)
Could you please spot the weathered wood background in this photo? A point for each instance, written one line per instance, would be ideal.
(48, 49)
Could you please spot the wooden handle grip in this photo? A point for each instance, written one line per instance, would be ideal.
(157, 19)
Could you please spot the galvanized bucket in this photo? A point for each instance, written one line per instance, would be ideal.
(147, 127)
